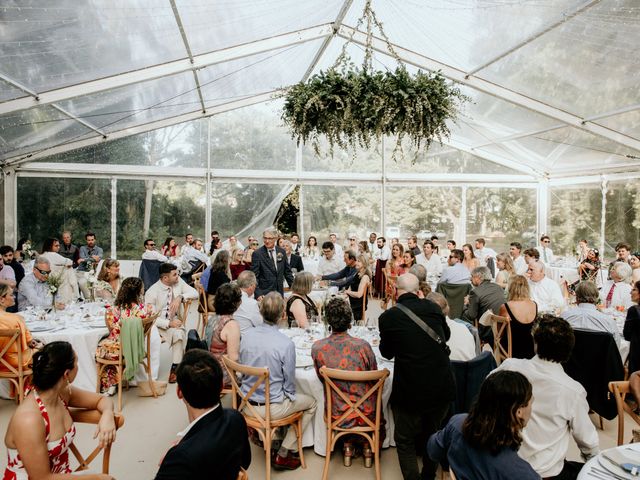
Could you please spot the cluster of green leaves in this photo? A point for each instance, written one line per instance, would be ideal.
(352, 107)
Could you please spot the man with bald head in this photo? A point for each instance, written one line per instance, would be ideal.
(414, 333)
(544, 290)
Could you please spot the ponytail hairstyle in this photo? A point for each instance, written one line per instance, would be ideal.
(50, 363)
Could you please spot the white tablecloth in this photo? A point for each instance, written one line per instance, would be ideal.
(307, 382)
(587, 473)
(560, 274)
(311, 264)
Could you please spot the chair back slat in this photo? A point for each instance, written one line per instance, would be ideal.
(262, 377)
(501, 326)
(92, 417)
(620, 391)
(14, 336)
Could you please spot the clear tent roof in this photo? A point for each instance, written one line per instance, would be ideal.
(553, 82)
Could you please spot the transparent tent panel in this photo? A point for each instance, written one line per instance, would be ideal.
(554, 69)
(626, 123)
(622, 215)
(37, 129)
(214, 25)
(9, 92)
(252, 138)
(360, 160)
(61, 42)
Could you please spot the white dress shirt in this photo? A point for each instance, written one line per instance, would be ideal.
(57, 260)
(154, 255)
(520, 265)
(327, 267)
(383, 253)
(456, 274)
(158, 294)
(559, 411)
(192, 254)
(184, 432)
(338, 249)
(621, 294)
(248, 313)
(461, 342)
(546, 254)
(483, 253)
(585, 316)
(433, 264)
(547, 294)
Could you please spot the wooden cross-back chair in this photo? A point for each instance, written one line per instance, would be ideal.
(264, 425)
(203, 309)
(620, 391)
(92, 417)
(371, 429)
(501, 326)
(16, 375)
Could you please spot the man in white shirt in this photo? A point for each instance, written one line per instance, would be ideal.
(546, 254)
(544, 291)
(483, 252)
(330, 262)
(336, 246)
(150, 252)
(456, 272)
(188, 238)
(372, 242)
(195, 253)
(248, 313)
(560, 410)
(295, 244)
(617, 291)
(430, 259)
(461, 342)
(166, 296)
(520, 265)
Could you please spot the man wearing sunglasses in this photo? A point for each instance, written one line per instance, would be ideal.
(34, 289)
(150, 252)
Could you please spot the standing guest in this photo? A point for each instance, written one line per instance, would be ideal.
(461, 342)
(546, 254)
(456, 272)
(295, 261)
(295, 244)
(522, 311)
(68, 290)
(484, 443)
(353, 243)
(311, 250)
(616, 292)
(363, 249)
(544, 290)
(230, 244)
(188, 244)
(41, 430)
(8, 257)
(333, 237)
(300, 308)
(506, 270)
(483, 252)
(372, 242)
(248, 313)
(12, 321)
(395, 241)
(109, 280)
(330, 262)
(88, 258)
(270, 265)
(150, 252)
(485, 295)
(34, 289)
(216, 438)
(430, 259)
(560, 410)
(237, 265)
(343, 352)
(220, 272)
(166, 296)
(68, 249)
(470, 261)
(358, 287)
(170, 248)
(451, 244)
(631, 330)
(423, 383)
(265, 346)
(531, 255)
(381, 255)
(412, 244)
(634, 262)
(226, 331)
(519, 262)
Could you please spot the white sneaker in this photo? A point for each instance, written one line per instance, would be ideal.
(111, 391)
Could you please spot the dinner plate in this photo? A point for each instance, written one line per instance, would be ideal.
(41, 328)
(303, 361)
(609, 466)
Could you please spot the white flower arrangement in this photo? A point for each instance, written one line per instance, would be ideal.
(27, 250)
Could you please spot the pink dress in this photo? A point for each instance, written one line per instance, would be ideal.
(58, 450)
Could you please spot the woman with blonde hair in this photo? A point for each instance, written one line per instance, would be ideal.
(506, 269)
(357, 288)
(108, 280)
(237, 265)
(300, 308)
(522, 311)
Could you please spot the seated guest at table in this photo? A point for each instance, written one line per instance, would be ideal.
(129, 302)
(409, 260)
(470, 261)
(430, 259)
(519, 261)
(544, 291)
(295, 261)
(170, 248)
(522, 311)
(484, 443)
(150, 252)
(109, 280)
(329, 262)
(531, 255)
(248, 253)
(237, 265)
(7, 275)
(482, 252)
(395, 265)
(506, 270)
(89, 257)
(34, 289)
(300, 307)
(166, 296)
(461, 342)
(226, 331)
(358, 286)
(421, 274)
(344, 277)
(8, 257)
(195, 254)
(220, 272)
(248, 313)
(617, 292)
(68, 249)
(188, 244)
(546, 254)
(343, 352)
(560, 409)
(216, 439)
(622, 249)
(265, 346)
(68, 290)
(634, 261)
(485, 295)
(311, 250)
(456, 272)
(585, 315)
(583, 250)
(12, 321)
(41, 429)
(589, 268)
(631, 330)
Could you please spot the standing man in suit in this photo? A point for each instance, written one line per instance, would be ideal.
(270, 266)
(215, 443)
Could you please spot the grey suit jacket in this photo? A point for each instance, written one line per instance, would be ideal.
(485, 296)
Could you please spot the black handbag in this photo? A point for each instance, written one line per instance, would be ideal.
(194, 341)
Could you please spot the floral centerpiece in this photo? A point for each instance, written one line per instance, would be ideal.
(54, 281)
(27, 252)
(92, 279)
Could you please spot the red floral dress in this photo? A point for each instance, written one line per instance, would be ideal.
(218, 346)
(58, 450)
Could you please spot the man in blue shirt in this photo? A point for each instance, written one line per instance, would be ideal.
(265, 346)
(344, 277)
(456, 272)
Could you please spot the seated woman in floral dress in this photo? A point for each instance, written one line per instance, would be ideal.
(342, 351)
(225, 339)
(128, 303)
(108, 282)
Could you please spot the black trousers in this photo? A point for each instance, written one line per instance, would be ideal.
(570, 471)
(412, 430)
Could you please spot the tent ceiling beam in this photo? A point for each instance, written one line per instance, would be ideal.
(147, 127)
(620, 166)
(169, 68)
(490, 88)
(563, 19)
(78, 119)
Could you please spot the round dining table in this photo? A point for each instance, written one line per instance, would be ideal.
(600, 467)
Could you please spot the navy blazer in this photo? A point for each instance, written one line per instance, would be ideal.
(296, 262)
(270, 279)
(215, 447)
